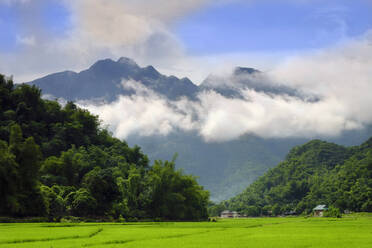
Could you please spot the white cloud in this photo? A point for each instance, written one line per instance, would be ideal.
(343, 73)
(145, 113)
(140, 29)
(27, 40)
(341, 77)
(217, 118)
(98, 29)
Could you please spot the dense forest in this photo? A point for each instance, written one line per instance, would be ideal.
(58, 161)
(314, 173)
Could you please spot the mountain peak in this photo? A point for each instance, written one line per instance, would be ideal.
(104, 77)
(127, 61)
(245, 70)
(151, 72)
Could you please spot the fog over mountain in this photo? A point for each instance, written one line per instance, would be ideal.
(242, 78)
(222, 108)
(227, 131)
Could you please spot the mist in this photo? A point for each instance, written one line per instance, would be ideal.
(340, 78)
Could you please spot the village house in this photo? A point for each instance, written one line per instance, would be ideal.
(319, 210)
(230, 214)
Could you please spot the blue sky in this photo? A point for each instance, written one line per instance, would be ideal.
(56, 17)
(184, 38)
(8, 27)
(52, 16)
(273, 25)
(234, 27)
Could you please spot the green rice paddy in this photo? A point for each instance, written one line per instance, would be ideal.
(350, 231)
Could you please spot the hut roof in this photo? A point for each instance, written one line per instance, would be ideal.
(320, 207)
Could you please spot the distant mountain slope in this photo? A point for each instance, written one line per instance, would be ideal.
(242, 78)
(225, 169)
(106, 78)
(103, 81)
(315, 173)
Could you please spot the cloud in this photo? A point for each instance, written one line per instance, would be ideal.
(343, 73)
(97, 29)
(29, 41)
(267, 116)
(217, 118)
(340, 77)
(144, 113)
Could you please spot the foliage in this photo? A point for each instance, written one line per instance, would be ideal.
(315, 173)
(57, 161)
(174, 195)
(333, 212)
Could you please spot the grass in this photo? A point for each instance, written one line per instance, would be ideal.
(350, 231)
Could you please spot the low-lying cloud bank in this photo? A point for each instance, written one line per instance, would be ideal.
(341, 78)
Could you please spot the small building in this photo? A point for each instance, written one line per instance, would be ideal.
(226, 214)
(319, 210)
(229, 214)
(235, 214)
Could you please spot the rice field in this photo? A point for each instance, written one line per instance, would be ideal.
(350, 231)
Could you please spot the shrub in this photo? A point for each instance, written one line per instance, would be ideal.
(333, 212)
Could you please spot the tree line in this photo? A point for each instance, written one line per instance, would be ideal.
(58, 161)
(315, 173)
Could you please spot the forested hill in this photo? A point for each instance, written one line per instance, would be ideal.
(315, 173)
(57, 161)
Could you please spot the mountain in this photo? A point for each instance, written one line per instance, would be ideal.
(227, 168)
(224, 168)
(243, 78)
(315, 173)
(106, 79)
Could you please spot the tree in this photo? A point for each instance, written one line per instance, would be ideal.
(82, 203)
(58, 160)
(55, 206)
(8, 181)
(102, 185)
(333, 212)
(27, 157)
(174, 195)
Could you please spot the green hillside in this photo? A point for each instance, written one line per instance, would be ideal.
(226, 168)
(57, 161)
(314, 173)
